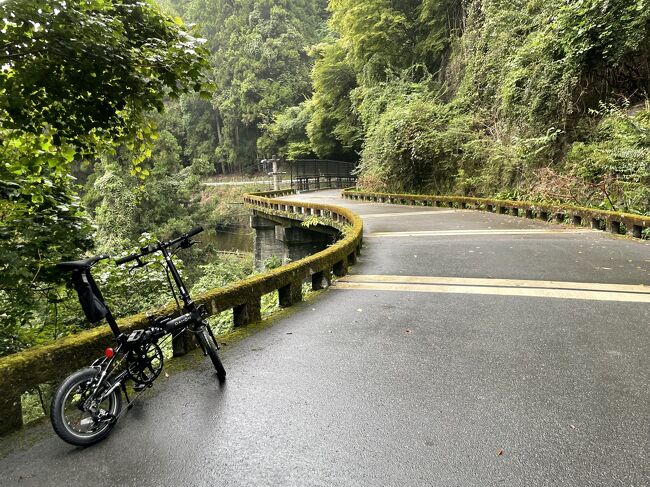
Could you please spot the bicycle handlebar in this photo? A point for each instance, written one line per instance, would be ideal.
(150, 249)
(126, 259)
(196, 230)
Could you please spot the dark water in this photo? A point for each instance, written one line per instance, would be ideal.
(232, 238)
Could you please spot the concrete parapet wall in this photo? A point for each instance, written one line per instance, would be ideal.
(611, 221)
(25, 370)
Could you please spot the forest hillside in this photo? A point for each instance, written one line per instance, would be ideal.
(543, 100)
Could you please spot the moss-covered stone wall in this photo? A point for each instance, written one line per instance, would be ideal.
(612, 221)
(23, 371)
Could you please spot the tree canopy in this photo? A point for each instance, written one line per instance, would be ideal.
(87, 71)
(485, 97)
(78, 79)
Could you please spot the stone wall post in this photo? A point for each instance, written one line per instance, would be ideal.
(183, 344)
(246, 313)
(11, 413)
(321, 280)
(290, 294)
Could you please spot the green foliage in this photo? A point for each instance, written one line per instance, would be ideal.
(272, 262)
(375, 34)
(546, 63)
(381, 37)
(100, 65)
(614, 162)
(372, 43)
(515, 87)
(260, 66)
(415, 144)
(77, 80)
(222, 271)
(86, 71)
(333, 129)
(287, 134)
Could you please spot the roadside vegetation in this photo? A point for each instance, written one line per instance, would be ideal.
(537, 100)
(108, 130)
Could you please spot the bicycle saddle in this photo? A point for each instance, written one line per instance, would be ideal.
(74, 265)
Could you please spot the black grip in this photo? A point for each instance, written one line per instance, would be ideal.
(126, 259)
(194, 231)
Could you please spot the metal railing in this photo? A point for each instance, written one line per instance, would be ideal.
(315, 174)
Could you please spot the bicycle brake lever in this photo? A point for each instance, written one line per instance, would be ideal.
(186, 244)
(139, 264)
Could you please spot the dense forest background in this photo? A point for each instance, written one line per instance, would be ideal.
(518, 99)
(114, 112)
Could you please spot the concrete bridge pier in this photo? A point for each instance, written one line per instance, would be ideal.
(285, 240)
(265, 244)
(289, 241)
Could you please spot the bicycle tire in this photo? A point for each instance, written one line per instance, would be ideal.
(210, 347)
(62, 416)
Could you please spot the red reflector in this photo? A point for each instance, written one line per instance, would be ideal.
(109, 352)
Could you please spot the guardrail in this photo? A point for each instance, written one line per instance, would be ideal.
(23, 371)
(614, 222)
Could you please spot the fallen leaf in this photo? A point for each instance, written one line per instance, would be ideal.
(499, 452)
(407, 331)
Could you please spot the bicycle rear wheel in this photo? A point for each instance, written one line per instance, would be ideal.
(210, 347)
(76, 417)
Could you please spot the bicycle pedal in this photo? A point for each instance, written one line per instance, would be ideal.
(139, 387)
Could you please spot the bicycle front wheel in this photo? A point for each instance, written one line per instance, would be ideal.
(210, 347)
(76, 416)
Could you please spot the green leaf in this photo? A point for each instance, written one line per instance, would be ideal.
(68, 153)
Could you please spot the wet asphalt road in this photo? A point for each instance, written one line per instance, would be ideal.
(396, 388)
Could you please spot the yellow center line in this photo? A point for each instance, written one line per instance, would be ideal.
(470, 281)
(448, 233)
(498, 291)
(498, 287)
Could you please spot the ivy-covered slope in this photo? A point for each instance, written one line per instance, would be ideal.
(537, 99)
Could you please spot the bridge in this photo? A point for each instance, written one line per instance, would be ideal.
(462, 348)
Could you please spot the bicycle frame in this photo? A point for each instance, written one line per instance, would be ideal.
(136, 356)
(188, 304)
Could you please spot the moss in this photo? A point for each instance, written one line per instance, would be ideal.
(627, 219)
(22, 371)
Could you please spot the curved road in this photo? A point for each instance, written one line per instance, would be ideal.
(465, 349)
